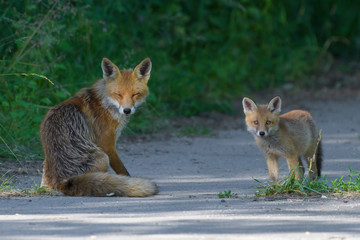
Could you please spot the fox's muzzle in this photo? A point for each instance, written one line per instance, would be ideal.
(127, 110)
(262, 133)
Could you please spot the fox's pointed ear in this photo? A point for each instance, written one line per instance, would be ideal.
(248, 105)
(143, 70)
(275, 105)
(110, 70)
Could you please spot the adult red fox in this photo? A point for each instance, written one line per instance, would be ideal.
(79, 136)
(290, 135)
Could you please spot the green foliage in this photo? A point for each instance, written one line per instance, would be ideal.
(227, 194)
(204, 53)
(353, 185)
(195, 130)
(12, 191)
(5, 181)
(42, 190)
(305, 186)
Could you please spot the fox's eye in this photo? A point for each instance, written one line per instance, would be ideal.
(268, 122)
(119, 95)
(135, 94)
(256, 122)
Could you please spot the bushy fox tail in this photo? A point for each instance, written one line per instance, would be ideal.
(106, 184)
(319, 159)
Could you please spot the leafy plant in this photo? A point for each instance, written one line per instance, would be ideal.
(353, 185)
(227, 194)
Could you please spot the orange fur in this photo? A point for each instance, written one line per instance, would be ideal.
(79, 135)
(290, 135)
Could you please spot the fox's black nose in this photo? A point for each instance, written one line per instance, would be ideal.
(262, 133)
(127, 111)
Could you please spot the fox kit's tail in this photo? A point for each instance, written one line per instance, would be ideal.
(318, 157)
(106, 184)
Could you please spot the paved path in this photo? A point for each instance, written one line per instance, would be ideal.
(190, 172)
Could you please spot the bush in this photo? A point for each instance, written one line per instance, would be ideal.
(204, 53)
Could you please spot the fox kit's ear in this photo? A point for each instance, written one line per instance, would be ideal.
(248, 105)
(109, 69)
(143, 70)
(275, 105)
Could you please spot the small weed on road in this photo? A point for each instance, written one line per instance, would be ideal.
(227, 194)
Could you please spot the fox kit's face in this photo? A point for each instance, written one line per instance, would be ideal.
(262, 120)
(126, 90)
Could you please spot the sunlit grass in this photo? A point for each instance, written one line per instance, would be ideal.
(305, 186)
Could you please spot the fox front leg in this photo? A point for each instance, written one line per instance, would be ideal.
(116, 164)
(273, 167)
(107, 143)
(295, 166)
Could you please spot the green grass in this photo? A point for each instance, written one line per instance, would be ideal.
(227, 194)
(5, 181)
(353, 185)
(7, 189)
(41, 190)
(305, 186)
(35, 191)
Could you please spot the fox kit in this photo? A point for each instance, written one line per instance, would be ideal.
(290, 135)
(79, 136)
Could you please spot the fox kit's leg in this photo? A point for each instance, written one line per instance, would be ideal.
(273, 167)
(295, 166)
